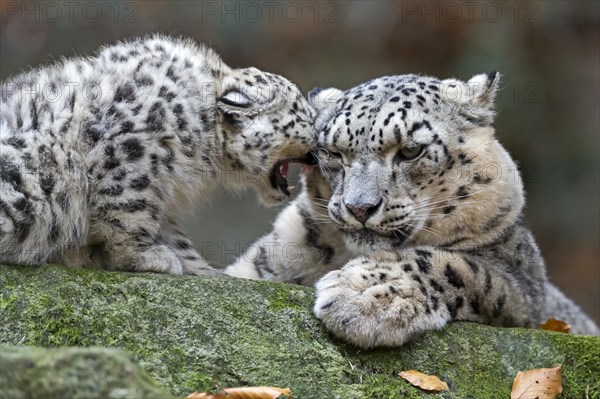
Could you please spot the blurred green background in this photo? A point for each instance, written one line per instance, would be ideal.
(547, 51)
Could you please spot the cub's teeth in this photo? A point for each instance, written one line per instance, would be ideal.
(291, 187)
(283, 169)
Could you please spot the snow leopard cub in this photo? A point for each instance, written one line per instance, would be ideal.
(100, 155)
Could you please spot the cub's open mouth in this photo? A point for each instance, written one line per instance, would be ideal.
(281, 168)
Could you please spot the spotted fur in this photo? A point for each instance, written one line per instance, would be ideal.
(101, 156)
(414, 219)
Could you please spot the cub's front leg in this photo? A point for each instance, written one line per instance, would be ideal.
(134, 184)
(301, 248)
(192, 263)
(388, 300)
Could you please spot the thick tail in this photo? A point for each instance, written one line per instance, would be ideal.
(560, 307)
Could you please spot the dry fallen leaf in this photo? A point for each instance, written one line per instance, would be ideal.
(537, 384)
(553, 324)
(244, 393)
(424, 381)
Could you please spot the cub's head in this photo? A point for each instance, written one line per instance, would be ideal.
(267, 124)
(413, 159)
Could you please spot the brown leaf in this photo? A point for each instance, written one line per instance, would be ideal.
(424, 381)
(244, 393)
(553, 324)
(199, 395)
(538, 383)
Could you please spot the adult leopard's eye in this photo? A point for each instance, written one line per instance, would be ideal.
(329, 154)
(409, 153)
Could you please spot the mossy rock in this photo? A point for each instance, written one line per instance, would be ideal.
(29, 372)
(192, 333)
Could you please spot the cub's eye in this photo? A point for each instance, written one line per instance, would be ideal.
(409, 153)
(236, 99)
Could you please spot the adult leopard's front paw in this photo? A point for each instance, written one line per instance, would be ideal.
(370, 303)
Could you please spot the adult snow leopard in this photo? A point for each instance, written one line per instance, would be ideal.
(101, 155)
(414, 219)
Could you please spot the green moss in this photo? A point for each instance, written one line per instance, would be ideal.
(388, 387)
(201, 382)
(29, 372)
(7, 301)
(194, 333)
(288, 297)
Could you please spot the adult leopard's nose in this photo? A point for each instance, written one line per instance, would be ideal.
(362, 212)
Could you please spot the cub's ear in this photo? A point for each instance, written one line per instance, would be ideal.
(236, 102)
(323, 101)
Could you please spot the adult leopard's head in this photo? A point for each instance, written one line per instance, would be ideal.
(267, 124)
(413, 159)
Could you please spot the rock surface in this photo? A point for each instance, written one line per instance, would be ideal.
(29, 372)
(191, 333)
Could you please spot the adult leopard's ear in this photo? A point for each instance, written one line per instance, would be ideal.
(475, 97)
(323, 101)
(321, 98)
(484, 88)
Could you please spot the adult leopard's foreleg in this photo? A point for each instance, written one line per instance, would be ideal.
(387, 300)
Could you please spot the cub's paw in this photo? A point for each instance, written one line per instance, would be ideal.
(375, 303)
(156, 258)
(196, 266)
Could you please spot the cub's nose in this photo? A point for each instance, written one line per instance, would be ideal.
(362, 212)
